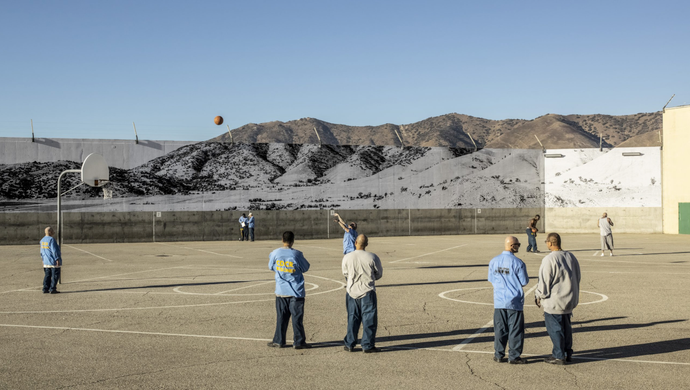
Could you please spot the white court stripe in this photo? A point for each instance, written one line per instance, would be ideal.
(290, 341)
(481, 330)
(92, 254)
(427, 254)
(488, 325)
(201, 250)
(242, 288)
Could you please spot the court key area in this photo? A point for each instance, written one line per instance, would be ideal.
(187, 315)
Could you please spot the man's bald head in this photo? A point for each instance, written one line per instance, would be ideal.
(511, 244)
(361, 242)
(604, 215)
(49, 231)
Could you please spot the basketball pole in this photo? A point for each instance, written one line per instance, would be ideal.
(59, 213)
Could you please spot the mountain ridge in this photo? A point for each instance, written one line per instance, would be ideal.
(554, 131)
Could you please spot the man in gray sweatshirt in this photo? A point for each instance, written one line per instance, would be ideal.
(558, 292)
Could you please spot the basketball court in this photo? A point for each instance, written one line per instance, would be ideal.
(199, 315)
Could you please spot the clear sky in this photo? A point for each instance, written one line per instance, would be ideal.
(88, 69)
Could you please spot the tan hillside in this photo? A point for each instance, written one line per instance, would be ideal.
(458, 130)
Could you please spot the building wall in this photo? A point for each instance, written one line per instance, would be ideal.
(675, 163)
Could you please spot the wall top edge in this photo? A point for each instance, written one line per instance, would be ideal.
(685, 106)
(99, 140)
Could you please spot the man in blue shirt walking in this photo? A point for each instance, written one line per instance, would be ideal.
(508, 275)
(289, 265)
(52, 260)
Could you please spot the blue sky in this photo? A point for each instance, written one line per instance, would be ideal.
(88, 69)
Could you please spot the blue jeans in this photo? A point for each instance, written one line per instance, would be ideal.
(532, 241)
(561, 332)
(508, 325)
(286, 307)
(362, 311)
(251, 234)
(50, 279)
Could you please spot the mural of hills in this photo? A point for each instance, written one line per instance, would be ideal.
(218, 176)
(454, 130)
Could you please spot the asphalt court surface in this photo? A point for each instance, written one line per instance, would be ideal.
(199, 314)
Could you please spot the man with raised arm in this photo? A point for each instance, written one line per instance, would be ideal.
(289, 265)
(362, 269)
(350, 234)
(52, 261)
(508, 275)
(558, 292)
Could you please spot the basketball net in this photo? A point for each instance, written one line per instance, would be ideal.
(107, 194)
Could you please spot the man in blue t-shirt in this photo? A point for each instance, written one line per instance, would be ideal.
(52, 260)
(508, 275)
(250, 225)
(289, 265)
(350, 234)
(244, 230)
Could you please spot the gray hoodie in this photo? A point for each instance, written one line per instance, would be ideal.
(559, 282)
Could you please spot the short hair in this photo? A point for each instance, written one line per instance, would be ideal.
(48, 230)
(288, 236)
(353, 225)
(554, 239)
(537, 216)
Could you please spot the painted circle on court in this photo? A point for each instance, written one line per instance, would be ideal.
(314, 286)
(443, 295)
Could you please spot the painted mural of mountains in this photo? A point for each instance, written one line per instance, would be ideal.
(458, 130)
(217, 166)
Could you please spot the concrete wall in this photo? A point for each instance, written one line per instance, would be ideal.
(125, 154)
(675, 163)
(642, 220)
(85, 227)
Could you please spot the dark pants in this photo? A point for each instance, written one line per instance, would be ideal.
(50, 279)
(362, 311)
(561, 332)
(245, 234)
(251, 234)
(508, 325)
(531, 240)
(286, 307)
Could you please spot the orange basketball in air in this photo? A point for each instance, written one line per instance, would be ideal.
(218, 120)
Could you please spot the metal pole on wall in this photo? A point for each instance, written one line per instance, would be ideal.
(409, 222)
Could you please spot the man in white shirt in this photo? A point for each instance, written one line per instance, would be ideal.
(606, 234)
(362, 269)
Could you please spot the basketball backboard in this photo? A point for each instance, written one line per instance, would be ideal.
(94, 170)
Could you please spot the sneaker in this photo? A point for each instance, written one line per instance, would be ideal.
(611, 254)
(45, 291)
(372, 350)
(348, 349)
(500, 360)
(535, 251)
(518, 360)
(568, 359)
(302, 346)
(553, 360)
(276, 345)
(55, 292)
(602, 254)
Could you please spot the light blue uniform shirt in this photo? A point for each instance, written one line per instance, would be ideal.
(243, 219)
(250, 223)
(349, 241)
(288, 264)
(508, 274)
(50, 252)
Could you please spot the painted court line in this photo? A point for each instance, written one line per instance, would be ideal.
(427, 254)
(63, 328)
(201, 250)
(488, 325)
(92, 254)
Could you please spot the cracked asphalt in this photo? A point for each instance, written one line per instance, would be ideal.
(198, 315)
